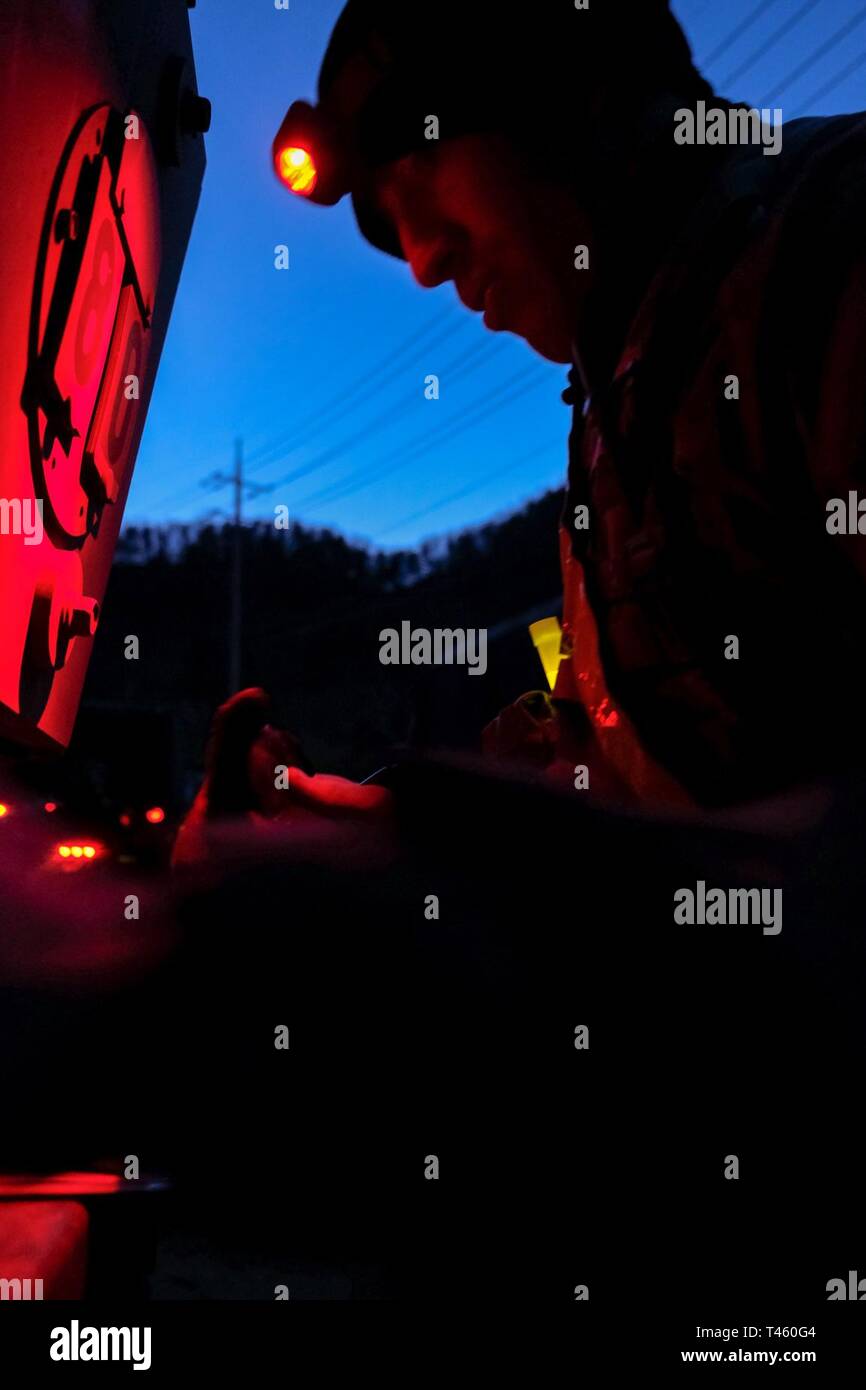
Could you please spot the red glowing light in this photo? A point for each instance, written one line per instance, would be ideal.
(77, 851)
(4, 810)
(605, 715)
(72, 1184)
(50, 806)
(155, 815)
(298, 169)
(125, 819)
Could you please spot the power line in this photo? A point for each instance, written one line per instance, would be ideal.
(819, 53)
(181, 494)
(468, 419)
(344, 403)
(472, 487)
(757, 13)
(470, 416)
(480, 350)
(777, 34)
(423, 444)
(174, 498)
(833, 83)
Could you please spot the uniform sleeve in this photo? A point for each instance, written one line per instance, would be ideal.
(836, 441)
(819, 311)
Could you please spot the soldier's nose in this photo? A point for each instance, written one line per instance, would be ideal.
(432, 262)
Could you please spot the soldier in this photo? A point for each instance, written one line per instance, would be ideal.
(704, 275)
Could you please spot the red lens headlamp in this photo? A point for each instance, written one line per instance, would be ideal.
(307, 156)
(315, 161)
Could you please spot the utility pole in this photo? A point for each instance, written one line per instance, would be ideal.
(236, 575)
(235, 480)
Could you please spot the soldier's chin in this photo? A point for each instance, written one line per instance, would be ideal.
(548, 341)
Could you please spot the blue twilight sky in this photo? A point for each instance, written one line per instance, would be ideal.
(320, 368)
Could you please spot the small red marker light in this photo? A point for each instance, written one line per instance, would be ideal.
(78, 851)
(298, 169)
(155, 815)
(50, 806)
(125, 819)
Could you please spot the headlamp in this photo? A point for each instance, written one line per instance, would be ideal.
(315, 161)
(387, 71)
(307, 156)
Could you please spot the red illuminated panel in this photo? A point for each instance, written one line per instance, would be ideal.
(114, 427)
(81, 357)
(136, 192)
(85, 390)
(111, 427)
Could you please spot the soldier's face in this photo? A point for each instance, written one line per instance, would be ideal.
(469, 210)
